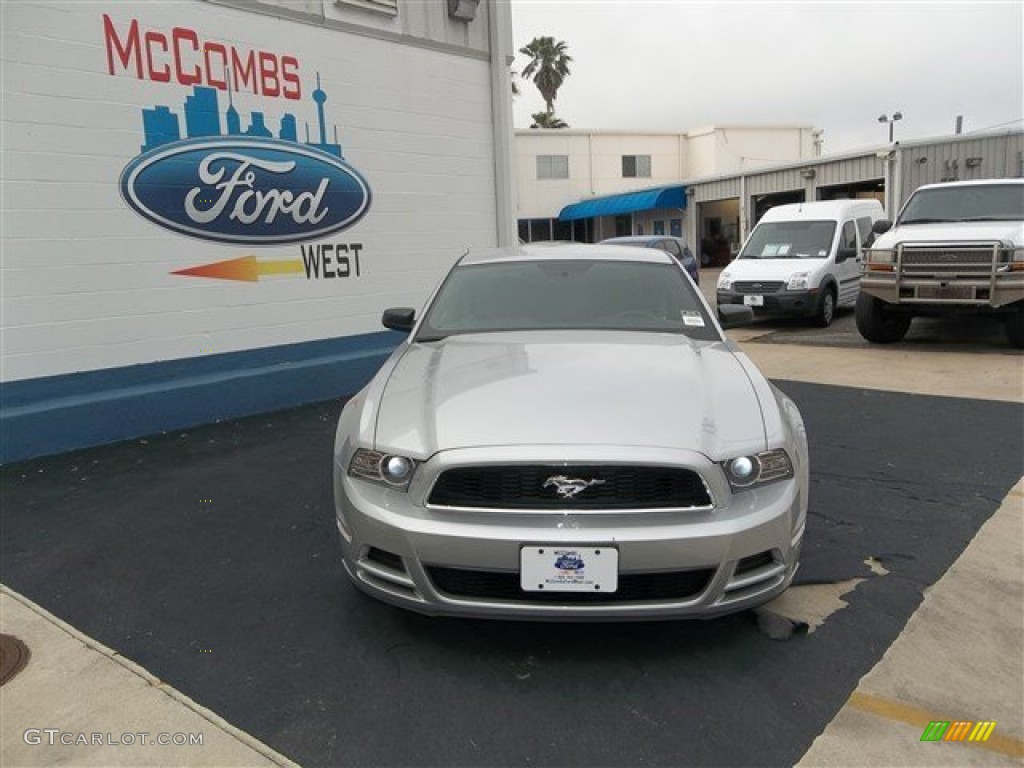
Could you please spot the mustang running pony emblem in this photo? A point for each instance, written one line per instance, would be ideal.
(570, 487)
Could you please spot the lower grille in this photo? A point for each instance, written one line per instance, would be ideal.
(536, 487)
(633, 587)
(748, 286)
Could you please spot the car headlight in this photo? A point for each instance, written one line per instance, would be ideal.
(384, 468)
(745, 472)
(798, 281)
(725, 282)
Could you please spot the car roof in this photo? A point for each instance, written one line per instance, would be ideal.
(819, 210)
(638, 239)
(565, 251)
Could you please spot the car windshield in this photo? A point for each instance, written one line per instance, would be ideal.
(988, 202)
(567, 295)
(790, 240)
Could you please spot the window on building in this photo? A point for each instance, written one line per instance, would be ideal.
(659, 227)
(636, 166)
(552, 166)
(675, 227)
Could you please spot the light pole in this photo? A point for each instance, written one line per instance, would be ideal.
(891, 121)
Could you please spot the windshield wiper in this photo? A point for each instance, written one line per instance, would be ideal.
(986, 218)
(927, 221)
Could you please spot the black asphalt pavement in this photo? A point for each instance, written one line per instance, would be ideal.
(210, 558)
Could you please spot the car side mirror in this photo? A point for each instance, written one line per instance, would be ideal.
(734, 316)
(399, 318)
(881, 226)
(845, 253)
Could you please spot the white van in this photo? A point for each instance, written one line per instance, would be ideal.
(802, 259)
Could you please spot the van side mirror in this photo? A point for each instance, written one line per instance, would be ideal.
(734, 316)
(845, 253)
(881, 226)
(399, 318)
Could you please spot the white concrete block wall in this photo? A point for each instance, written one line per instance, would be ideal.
(87, 283)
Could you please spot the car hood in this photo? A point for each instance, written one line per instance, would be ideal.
(569, 388)
(771, 269)
(1006, 231)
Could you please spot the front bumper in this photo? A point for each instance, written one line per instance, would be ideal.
(801, 303)
(741, 553)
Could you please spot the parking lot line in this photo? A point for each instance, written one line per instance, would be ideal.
(919, 718)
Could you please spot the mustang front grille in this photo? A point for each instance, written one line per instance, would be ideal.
(633, 587)
(578, 487)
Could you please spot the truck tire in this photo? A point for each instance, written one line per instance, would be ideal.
(879, 324)
(1015, 328)
(826, 311)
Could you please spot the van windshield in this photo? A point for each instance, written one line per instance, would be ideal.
(790, 240)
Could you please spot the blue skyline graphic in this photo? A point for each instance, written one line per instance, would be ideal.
(202, 118)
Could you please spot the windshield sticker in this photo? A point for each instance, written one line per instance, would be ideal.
(783, 250)
(822, 254)
(770, 250)
(693, 319)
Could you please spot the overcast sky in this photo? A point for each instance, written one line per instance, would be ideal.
(674, 65)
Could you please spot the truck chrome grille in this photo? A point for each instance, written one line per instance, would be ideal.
(948, 260)
(537, 487)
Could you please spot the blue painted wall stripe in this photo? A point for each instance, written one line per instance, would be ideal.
(60, 413)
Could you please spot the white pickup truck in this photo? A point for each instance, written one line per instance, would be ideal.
(956, 247)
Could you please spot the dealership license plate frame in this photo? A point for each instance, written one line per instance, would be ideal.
(753, 300)
(538, 573)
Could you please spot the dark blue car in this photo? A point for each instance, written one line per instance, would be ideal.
(673, 246)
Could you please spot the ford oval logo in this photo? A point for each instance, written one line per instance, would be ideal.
(250, 191)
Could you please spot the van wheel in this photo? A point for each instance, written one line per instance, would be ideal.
(879, 324)
(1015, 328)
(826, 308)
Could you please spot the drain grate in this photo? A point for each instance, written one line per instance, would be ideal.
(13, 657)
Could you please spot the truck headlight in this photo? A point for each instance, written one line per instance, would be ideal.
(881, 260)
(384, 468)
(799, 281)
(745, 472)
(725, 282)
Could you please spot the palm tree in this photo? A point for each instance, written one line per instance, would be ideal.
(549, 65)
(547, 120)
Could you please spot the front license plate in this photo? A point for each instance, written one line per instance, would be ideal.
(945, 292)
(754, 301)
(568, 569)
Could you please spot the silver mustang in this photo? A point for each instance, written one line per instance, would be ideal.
(567, 434)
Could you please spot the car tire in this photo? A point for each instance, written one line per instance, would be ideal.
(879, 324)
(1015, 328)
(826, 311)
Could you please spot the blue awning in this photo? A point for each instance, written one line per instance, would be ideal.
(627, 202)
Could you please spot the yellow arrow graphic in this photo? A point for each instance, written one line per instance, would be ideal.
(245, 268)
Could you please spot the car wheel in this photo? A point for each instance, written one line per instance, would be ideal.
(879, 324)
(1015, 328)
(826, 308)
